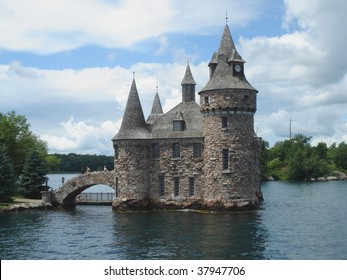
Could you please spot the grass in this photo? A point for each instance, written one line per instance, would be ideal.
(18, 200)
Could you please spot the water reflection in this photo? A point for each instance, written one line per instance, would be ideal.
(299, 221)
(180, 235)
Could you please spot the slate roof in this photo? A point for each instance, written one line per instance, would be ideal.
(159, 125)
(157, 110)
(188, 77)
(222, 77)
(189, 112)
(133, 123)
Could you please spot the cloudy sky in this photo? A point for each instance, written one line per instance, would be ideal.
(68, 65)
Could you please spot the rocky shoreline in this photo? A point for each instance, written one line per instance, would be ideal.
(27, 206)
(336, 176)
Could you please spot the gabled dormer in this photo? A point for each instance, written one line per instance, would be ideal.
(178, 123)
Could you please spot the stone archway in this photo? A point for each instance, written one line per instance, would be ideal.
(67, 193)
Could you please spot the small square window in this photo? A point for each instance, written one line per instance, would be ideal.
(197, 150)
(224, 122)
(176, 186)
(117, 182)
(176, 153)
(225, 158)
(161, 185)
(178, 125)
(155, 151)
(191, 186)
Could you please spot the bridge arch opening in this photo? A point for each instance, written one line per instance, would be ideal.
(91, 194)
(76, 187)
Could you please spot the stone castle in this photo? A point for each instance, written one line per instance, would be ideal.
(196, 156)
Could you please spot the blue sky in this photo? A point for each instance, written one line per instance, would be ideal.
(67, 65)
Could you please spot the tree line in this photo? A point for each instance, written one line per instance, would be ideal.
(25, 161)
(297, 159)
(78, 163)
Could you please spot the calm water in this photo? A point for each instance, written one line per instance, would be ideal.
(299, 221)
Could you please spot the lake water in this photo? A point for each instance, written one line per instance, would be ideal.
(299, 221)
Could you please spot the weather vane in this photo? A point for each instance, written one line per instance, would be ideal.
(226, 15)
(189, 59)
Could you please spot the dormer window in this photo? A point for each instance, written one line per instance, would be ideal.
(178, 125)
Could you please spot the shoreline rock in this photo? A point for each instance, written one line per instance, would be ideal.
(27, 206)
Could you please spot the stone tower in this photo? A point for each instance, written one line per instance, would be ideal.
(132, 155)
(228, 103)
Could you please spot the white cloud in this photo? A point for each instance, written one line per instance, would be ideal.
(92, 99)
(81, 136)
(52, 26)
(301, 75)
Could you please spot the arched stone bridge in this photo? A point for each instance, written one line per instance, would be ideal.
(66, 194)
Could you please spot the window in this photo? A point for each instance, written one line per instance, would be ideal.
(176, 150)
(155, 151)
(191, 186)
(224, 122)
(178, 125)
(116, 151)
(176, 186)
(161, 185)
(197, 150)
(225, 156)
(116, 192)
(207, 100)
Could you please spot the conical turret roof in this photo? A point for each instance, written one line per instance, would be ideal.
(133, 123)
(156, 107)
(222, 77)
(227, 46)
(157, 110)
(188, 77)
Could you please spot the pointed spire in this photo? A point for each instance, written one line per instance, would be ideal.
(227, 46)
(188, 77)
(188, 86)
(157, 110)
(133, 123)
(221, 66)
(156, 107)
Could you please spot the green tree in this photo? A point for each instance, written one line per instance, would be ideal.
(53, 163)
(33, 176)
(341, 156)
(7, 181)
(18, 140)
(264, 158)
(296, 166)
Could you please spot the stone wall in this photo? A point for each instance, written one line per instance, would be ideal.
(239, 184)
(137, 175)
(182, 167)
(131, 174)
(233, 100)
